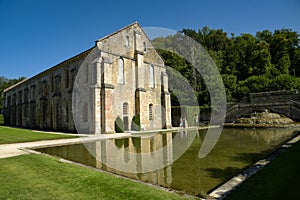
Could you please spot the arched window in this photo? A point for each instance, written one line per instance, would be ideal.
(151, 111)
(121, 71)
(151, 74)
(125, 108)
(127, 41)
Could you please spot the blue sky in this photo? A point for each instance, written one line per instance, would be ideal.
(38, 34)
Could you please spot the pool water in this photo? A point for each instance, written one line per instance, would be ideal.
(132, 157)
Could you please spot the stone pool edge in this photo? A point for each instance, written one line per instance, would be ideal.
(225, 189)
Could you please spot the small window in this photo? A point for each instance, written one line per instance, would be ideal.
(67, 78)
(145, 46)
(151, 74)
(125, 108)
(67, 113)
(52, 84)
(121, 71)
(87, 73)
(151, 111)
(127, 41)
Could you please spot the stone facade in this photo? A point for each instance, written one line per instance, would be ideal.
(121, 76)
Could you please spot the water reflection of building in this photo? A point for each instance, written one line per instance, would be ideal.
(132, 157)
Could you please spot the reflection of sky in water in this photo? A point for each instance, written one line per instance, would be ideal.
(235, 150)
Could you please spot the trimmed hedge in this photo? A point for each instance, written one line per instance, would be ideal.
(119, 125)
(136, 123)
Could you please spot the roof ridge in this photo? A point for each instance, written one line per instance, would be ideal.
(119, 30)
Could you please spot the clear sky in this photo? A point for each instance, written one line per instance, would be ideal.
(38, 34)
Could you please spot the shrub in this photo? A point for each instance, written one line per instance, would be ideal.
(136, 123)
(119, 125)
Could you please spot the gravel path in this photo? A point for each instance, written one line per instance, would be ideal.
(15, 149)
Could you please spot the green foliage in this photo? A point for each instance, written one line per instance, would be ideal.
(247, 63)
(119, 125)
(120, 142)
(284, 82)
(264, 83)
(5, 83)
(230, 83)
(136, 123)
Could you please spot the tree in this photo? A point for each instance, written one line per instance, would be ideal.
(247, 63)
(257, 83)
(284, 82)
(5, 83)
(284, 47)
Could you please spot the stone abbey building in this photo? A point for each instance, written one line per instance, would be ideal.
(121, 76)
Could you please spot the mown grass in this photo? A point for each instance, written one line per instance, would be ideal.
(15, 135)
(1, 120)
(44, 177)
(278, 180)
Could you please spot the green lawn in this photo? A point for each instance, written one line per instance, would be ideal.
(14, 135)
(1, 119)
(278, 180)
(44, 177)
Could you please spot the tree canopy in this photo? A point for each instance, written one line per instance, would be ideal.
(5, 83)
(266, 61)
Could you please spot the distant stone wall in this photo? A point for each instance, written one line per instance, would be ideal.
(45, 100)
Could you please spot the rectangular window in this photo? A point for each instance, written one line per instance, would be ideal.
(52, 84)
(127, 41)
(151, 111)
(151, 76)
(67, 78)
(67, 113)
(145, 46)
(121, 71)
(87, 73)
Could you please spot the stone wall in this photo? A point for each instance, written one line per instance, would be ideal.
(102, 92)
(45, 100)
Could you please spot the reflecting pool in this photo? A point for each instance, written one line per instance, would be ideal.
(235, 150)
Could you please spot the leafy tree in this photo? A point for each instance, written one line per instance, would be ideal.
(259, 83)
(284, 82)
(248, 63)
(5, 83)
(230, 83)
